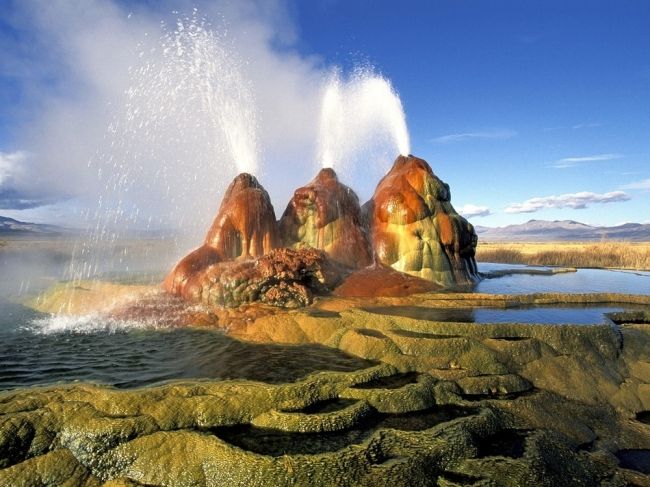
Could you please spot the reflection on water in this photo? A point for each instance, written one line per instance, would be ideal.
(577, 315)
(137, 357)
(582, 281)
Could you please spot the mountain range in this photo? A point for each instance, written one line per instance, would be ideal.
(11, 227)
(532, 231)
(567, 230)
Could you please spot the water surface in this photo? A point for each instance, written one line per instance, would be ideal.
(581, 281)
(44, 350)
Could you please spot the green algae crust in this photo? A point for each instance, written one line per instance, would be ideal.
(568, 397)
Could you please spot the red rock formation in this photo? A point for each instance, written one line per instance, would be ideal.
(325, 214)
(379, 280)
(244, 228)
(416, 230)
(413, 226)
(283, 277)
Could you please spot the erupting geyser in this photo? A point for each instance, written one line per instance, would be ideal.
(409, 224)
(362, 119)
(188, 117)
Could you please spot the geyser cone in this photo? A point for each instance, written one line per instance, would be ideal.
(416, 230)
(245, 227)
(326, 215)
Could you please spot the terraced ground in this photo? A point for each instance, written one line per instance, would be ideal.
(447, 404)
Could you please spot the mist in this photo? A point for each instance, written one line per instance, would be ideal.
(118, 134)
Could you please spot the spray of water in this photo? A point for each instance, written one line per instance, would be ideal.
(362, 121)
(186, 127)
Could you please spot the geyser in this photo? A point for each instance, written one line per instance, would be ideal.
(409, 224)
(201, 78)
(360, 116)
(187, 124)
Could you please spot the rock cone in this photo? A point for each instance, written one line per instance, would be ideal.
(244, 228)
(325, 214)
(416, 230)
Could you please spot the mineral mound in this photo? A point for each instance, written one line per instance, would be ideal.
(325, 214)
(284, 277)
(244, 228)
(409, 225)
(415, 229)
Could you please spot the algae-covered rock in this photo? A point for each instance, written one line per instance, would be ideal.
(326, 215)
(416, 230)
(284, 277)
(448, 404)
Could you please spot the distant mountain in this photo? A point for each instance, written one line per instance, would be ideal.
(543, 230)
(11, 227)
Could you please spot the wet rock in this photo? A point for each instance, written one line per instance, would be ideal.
(301, 422)
(325, 214)
(416, 230)
(493, 385)
(380, 280)
(435, 430)
(244, 228)
(58, 467)
(284, 277)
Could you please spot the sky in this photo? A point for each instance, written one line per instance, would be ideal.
(529, 110)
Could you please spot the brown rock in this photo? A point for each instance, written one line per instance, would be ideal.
(416, 230)
(284, 277)
(325, 214)
(379, 280)
(244, 228)
(245, 225)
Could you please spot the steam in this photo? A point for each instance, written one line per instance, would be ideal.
(188, 104)
(359, 114)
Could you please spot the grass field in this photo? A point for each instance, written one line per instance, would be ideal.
(619, 255)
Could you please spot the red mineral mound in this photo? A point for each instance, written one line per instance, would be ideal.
(244, 228)
(415, 229)
(325, 214)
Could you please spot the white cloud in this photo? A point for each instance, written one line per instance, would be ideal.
(470, 210)
(19, 187)
(574, 161)
(488, 134)
(575, 201)
(10, 164)
(643, 184)
(586, 125)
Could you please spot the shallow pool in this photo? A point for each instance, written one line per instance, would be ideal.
(581, 281)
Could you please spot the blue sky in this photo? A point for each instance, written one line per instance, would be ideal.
(536, 109)
(530, 84)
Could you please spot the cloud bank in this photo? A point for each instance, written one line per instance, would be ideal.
(469, 211)
(19, 188)
(576, 201)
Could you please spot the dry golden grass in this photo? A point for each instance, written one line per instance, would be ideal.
(619, 255)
